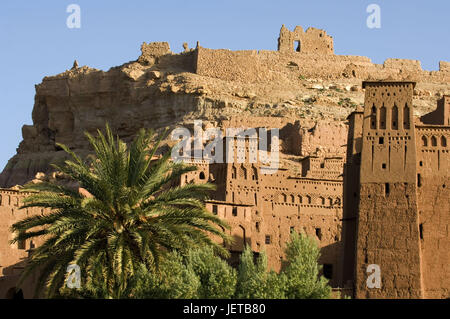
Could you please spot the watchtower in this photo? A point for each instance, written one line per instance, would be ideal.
(387, 224)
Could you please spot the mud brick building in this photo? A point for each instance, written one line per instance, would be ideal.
(396, 195)
(363, 166)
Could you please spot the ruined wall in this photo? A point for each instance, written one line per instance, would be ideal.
(200, 176)
(323, 138)
(322, 168)
(152, 51)
(240, 218)
(314, 60)
(433, 198)
(312, 41)
(299, 137)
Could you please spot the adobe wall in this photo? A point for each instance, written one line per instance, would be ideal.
(387, 226)
(312, 41)
(262, 66)
(388, 236)
(268, 207)
(13, 256)
(315, 60)
(152, 51)
(433, 198)
(440, 116)
(241, 221)
(351, 175)
(299, 137)
(281, 204)
(322, 168)
(308, 205)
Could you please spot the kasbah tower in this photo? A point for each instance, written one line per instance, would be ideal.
(396, 211)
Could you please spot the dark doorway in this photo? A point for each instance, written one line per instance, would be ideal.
(328, 271)
(14, 294)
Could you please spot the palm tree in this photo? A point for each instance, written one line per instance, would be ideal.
(126, 215)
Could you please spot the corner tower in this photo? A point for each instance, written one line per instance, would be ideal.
(387, 224)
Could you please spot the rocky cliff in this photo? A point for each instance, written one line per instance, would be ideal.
(163, 90)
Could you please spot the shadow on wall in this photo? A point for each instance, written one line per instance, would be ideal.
(14, 293)
(9, 283)
(329, 259)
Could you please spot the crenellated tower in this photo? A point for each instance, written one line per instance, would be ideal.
(387, 232)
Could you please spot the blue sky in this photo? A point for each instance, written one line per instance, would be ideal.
(36, 41)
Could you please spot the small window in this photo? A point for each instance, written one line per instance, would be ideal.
(234, 211)
(383, 166)
(328, 271)
(268, 239)
(319, 233)
(421, 231)
(233, 172)
(424, 141)
(443, 141)
(214, 209)
(21, 244)
(202, 175)
(421, 163)
(419, 180)
(381, 140)
(386, 189)
(373, 118)
(433, 141)
(257, 226)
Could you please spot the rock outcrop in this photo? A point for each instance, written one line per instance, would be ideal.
(307, 95)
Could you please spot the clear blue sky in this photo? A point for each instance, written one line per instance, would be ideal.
(36, 41)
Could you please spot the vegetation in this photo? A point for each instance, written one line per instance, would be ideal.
(346, 102)
(136, 235)
(203, 274)
(125, 221)
(300, 275)
(298, 279)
